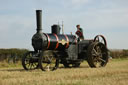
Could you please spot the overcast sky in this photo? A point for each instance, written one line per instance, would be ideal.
(106, 17)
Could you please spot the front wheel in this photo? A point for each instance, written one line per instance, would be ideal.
(48, 62)
(30, 60)
(97, 54)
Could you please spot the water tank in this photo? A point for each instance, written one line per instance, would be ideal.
(55, 29)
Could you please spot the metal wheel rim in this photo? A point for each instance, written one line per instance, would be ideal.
(48, 63)
(98, 55)
(29, 62)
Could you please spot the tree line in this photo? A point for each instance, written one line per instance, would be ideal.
(119, 53)
(15, 54)
(12, 55)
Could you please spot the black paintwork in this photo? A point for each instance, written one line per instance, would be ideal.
(39, 20)
(55, 29)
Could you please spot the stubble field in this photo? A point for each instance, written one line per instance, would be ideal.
(115, 73)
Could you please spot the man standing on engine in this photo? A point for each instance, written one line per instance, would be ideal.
(79, 33)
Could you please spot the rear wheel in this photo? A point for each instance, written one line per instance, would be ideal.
(97, 55)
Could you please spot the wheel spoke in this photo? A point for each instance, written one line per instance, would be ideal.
(33, 65)
(94, 51)
(102, 60)
(52, 63)
(46, 66)
(94, 54)
(29, 66)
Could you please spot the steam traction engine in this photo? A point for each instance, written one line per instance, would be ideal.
(52, 49)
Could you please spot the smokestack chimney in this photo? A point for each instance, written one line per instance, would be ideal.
(39, 20)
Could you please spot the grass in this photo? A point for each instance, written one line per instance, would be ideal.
(115, 73)
(4, 64)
